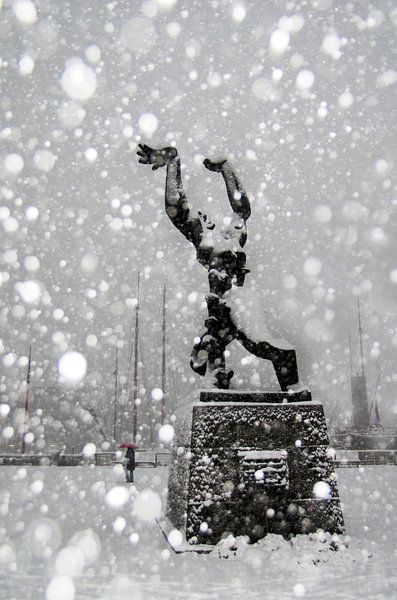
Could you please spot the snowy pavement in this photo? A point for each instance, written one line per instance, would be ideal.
(77, 533)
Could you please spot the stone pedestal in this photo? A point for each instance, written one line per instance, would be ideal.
(258, 463)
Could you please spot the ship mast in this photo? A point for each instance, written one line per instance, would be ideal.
(116, 390)
(135, 381)
(359, 386)
(360, 331)
(163, 359)
(26, 417)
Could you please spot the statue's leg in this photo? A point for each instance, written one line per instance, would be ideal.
(199, 355)
(285, 365)
(208, 355)
(283, 360)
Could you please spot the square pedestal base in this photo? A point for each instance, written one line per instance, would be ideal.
(253, 468)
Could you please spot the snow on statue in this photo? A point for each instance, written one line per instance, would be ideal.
(220, 251)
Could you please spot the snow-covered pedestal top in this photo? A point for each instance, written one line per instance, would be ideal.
(267, 397)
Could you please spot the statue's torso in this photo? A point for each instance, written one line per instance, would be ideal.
(219, 251)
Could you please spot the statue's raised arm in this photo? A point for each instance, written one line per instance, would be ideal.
(176, 204)
(235, 191)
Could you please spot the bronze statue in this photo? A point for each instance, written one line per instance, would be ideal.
(220, 251)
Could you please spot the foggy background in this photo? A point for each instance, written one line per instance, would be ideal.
(300, 96)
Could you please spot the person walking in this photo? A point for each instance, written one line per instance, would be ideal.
(130, 466)
(129, 460)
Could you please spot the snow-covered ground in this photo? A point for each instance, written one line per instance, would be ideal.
(82, 532)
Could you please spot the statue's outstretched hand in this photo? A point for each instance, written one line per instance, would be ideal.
(157, 158)
(214, 166)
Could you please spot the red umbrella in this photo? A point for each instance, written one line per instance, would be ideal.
(125, 445)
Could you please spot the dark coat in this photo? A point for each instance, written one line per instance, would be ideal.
(130, 456)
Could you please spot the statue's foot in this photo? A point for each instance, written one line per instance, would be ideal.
(222, 378)
(218, 378)
(297, 388)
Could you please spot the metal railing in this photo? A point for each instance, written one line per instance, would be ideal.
(143, 458)
(368, 457)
